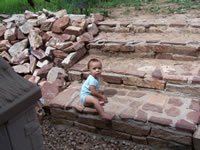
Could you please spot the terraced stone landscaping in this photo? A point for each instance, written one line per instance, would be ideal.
(151, 78)
(151, 72)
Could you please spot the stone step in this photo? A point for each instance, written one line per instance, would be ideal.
(145, 117)
(150, 26)
(181, 77)
(180, 46)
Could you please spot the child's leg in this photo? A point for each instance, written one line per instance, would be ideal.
(93, 100)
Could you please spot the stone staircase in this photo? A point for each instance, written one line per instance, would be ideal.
(151, 77)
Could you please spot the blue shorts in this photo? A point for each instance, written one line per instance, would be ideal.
(83, 99)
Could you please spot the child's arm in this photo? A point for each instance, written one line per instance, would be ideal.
(96, 93)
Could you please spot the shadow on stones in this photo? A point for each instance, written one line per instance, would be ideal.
(110, 92)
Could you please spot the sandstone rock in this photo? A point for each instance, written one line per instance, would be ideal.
(74, 75)
(173, 112)
(93, 29)
(76, 46)
(14, 42)
(74, 17)
(10, 34)
(34, 22)
(21, 57)
(186, 125)
(4, 16)
(2, 30)
(63, 37)
(97, 17)
(10, 25)
(175, 101)
(30, 15)
(18, 47)
(67, 60)
(17, 18)
(5, 45)
(47, 24)
(58, 61)
(54, 73)
(49, 91)
(73, 38)
(3, 49)
(63, 45)
(161, 120)
(60, 24)
(72, 30)
(194, 116)
(35, 72)
(41, 19)
(35, 39)
(20, 35)
(48, 13)
(195, 105)
(41, 63)
(34, 79)
(72, 58)
(59, 54)
(24, 68)
(26, 28)
(38, 53)
(80, 23)
(155, 103)
(56, 39)
(48, 51)
(44, 70)
(33, 63)
(60, 83)
(157, 74)
(196, 138)
(112, 78)
(5, 55)
(60, 13)
(176, 136)
(131, 127)
(10, 19)
(85, 37)
(45, 37)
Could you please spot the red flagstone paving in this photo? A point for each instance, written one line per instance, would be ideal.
(170, 75)
(142, 105)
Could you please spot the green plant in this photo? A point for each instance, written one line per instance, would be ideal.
(154, 8)
(126, 11)
(170, 10)
(137, 4)
(102, 6)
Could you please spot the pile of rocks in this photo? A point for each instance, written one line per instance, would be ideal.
(42, 46)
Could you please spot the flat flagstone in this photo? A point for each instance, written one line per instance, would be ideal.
(144, 67)
(171, 75)
(139, 105)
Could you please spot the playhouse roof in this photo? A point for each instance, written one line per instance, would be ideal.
(16, 93)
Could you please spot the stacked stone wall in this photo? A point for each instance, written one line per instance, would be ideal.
(147, 49)
(139, 132)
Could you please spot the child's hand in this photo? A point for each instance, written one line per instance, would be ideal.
(105, 98)
(100, 91)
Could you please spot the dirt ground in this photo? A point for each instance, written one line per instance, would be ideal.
(132, 16)
(145, 14)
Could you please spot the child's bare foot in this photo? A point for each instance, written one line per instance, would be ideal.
(101, 102)
(106, 116)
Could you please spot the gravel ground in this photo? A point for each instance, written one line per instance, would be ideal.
(58, 137)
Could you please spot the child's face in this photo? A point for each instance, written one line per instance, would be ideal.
(95, 69)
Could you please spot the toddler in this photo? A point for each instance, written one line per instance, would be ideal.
(90, 94)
